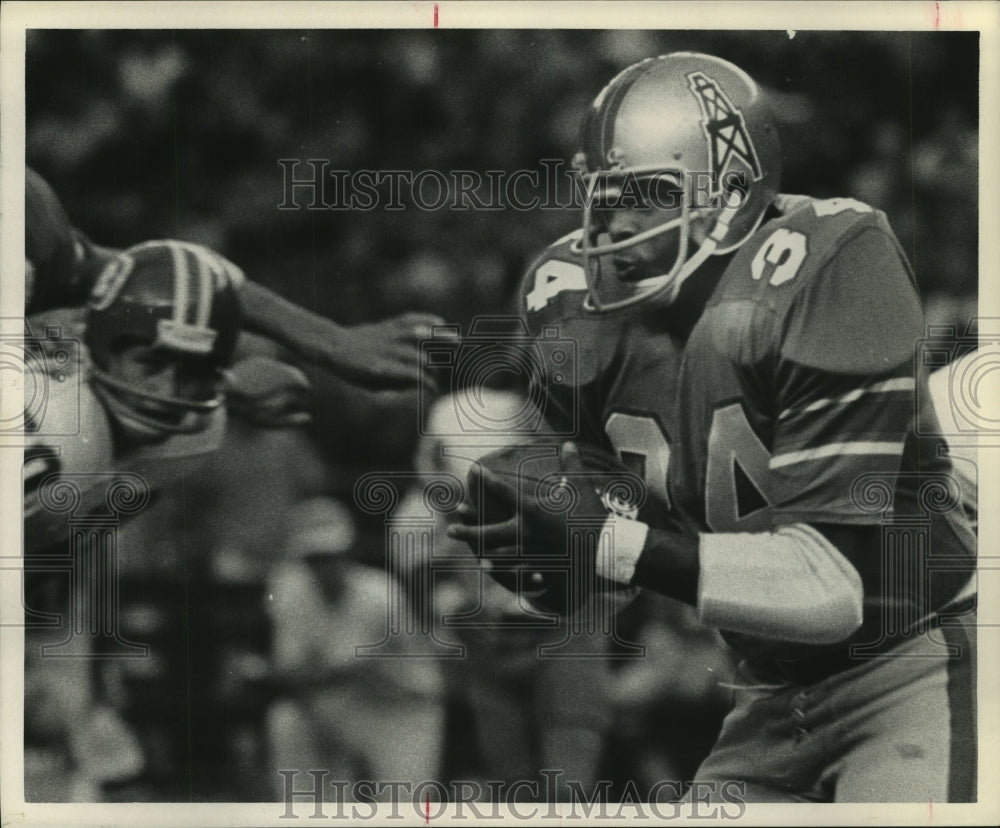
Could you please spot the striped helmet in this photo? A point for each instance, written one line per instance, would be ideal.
(175, 297)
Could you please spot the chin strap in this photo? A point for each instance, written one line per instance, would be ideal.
(116, 395)
(704, 252)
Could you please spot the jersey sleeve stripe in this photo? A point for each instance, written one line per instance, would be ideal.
(832, 449)
(890, 385)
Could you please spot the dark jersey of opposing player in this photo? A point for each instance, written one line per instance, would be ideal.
(798, 401)
(622, 386)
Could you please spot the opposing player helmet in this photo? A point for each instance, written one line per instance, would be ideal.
(180, 301)
(696, 123)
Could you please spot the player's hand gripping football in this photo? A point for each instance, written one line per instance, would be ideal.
(534, 528)
(518, 522)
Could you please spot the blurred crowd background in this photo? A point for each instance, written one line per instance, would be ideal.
(150, 134)
(257, 583)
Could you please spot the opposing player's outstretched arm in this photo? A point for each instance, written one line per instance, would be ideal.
(378, 354)
(62, 265)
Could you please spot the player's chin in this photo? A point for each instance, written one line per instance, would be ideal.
(629, 270)
(168, 416)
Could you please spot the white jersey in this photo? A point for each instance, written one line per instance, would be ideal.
(70, 451)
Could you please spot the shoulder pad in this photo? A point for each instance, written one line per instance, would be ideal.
(857, 309)
(554, 282)
(829, 219)
(789, 251)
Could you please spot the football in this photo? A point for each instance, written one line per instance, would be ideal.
(559, 580)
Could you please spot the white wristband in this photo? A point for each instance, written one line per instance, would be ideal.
(621, 545)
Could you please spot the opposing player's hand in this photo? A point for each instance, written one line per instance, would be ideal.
(381, 354)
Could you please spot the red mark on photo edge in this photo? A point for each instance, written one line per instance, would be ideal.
(937, 15)
(435, 15)
(427, 797)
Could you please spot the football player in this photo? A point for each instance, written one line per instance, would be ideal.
(809, 521)
(61, 264)
(136, 404)
(144, 393)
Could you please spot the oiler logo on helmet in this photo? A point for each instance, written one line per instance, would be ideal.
(725, 130)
